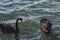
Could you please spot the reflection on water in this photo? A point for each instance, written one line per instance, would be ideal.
(31, 11)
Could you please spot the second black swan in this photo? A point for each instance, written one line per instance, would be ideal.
(45, 25)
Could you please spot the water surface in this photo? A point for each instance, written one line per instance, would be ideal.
(31, 11)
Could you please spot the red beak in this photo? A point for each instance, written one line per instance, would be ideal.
(46, 30)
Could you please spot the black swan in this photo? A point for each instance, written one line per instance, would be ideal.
(45, 25)
(7, 28)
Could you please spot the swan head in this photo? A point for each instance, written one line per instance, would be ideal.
(44, 20)
(20, 20)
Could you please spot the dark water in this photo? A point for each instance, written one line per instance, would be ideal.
(31, 11)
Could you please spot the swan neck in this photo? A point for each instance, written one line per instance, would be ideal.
(17, 29)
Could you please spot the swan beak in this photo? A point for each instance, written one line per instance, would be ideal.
(21, 21)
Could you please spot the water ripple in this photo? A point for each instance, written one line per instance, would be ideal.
(43, 8)
(17, 8)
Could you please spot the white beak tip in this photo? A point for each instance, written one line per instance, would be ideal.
(21, 21)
